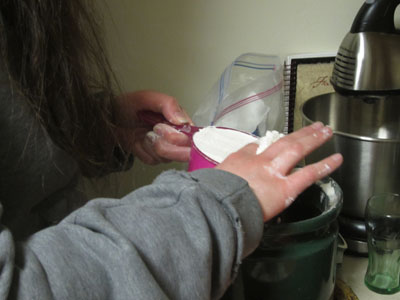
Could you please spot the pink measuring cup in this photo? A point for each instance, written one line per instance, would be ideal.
(198, 160)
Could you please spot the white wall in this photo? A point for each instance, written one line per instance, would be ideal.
(180, 47)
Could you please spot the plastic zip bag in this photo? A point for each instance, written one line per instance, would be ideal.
(247, 97)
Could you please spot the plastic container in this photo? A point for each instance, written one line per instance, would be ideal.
(198, 160)
(297, 257)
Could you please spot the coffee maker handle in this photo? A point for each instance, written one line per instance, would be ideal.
(376, 16)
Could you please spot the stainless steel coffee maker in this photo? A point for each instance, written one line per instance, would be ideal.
(364, 113)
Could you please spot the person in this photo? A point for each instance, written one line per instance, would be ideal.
(181, 237)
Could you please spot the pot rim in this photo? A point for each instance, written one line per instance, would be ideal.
(350, 135)
(314, 223)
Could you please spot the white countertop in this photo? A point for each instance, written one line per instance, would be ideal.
(352, 272)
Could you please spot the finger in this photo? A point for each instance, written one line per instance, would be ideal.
(283, 143)
(171, 152)
(140, 142)
(143, 154)
(295, 152)
(135, 142)
(176, 115)
(164, 104)
(149, 146)
(304, 177)
(171, 135)
(131, 103)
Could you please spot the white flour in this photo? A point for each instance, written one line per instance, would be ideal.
(269, 138)
(218, 143)
(329, 191)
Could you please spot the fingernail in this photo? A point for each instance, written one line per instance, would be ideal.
(317, 125)
(152, 136)
(181, 117)
(326, 131)
(337, 157)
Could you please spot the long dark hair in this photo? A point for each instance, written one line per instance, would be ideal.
(53, 52)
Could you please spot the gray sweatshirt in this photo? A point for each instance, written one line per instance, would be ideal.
(182, 237)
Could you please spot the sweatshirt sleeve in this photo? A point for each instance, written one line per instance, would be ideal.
(182, 237)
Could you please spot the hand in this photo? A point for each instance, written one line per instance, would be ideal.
(269, 173)
(152, 145)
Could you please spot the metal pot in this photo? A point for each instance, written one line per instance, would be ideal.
(367, 133)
